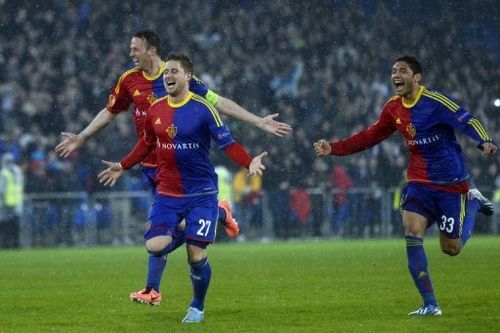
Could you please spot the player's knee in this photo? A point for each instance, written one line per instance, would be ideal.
(451, 250)
(156, 245)
(196, 252)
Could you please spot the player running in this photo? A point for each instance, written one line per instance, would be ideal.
(141, 86)
(179, 127)
(437, 189)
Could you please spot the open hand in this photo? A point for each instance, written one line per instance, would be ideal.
(256, 166)
(70, 143)
(269, 124)
(109, 176)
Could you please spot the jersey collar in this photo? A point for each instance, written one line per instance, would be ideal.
(419, 94)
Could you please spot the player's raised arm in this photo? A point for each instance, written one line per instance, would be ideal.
(268, 123)
(72, 142)
(238, 154)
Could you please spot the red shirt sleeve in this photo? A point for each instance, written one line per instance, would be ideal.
(141, 151)
(238, 154)
(365, 139)
(119, 98)
(143, 147)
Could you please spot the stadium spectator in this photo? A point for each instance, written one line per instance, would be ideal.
(11, 202)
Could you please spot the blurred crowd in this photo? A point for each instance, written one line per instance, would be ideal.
(324, 66)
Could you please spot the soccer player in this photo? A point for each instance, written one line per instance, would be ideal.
(141, 86)
(437, 190)
(179, 127)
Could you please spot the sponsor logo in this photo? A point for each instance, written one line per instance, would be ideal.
(147, 225)
(423, 141)
(398, 121)
(178, 146)
(411, 130)
(140, 113)
(221, 136)
(171, 131)
(137, 93)
(158, 121)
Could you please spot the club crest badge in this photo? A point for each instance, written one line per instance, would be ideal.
(151, 98)
(171, 131)
(411, 130)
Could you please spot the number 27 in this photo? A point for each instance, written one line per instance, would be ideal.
(204, 227)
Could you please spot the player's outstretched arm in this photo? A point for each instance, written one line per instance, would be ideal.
(256, 167)
(109, 176)
(71, 142)
(268, 123)
(322, 148)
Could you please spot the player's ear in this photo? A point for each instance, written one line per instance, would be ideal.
(417, 77)
(152, 50)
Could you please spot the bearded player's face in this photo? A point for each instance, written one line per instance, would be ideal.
(403, 78)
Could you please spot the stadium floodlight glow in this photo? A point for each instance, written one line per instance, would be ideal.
(496, 102)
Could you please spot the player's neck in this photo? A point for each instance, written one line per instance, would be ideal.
(412, 95)
(178, 98)
(154, 67)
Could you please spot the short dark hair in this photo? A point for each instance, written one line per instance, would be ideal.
(151, 38)
(414, 64)
(183, 59)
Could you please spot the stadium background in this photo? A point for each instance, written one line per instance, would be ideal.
(323, 65)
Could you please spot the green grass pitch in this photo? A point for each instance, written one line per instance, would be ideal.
(303, 286)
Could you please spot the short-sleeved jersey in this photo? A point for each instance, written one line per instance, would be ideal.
(427, 125)
(182, 136)
(138, 88)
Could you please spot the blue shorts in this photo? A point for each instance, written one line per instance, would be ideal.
(201, 213)
(149, 177)
(445, 208)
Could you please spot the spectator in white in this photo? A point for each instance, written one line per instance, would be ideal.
(11, 202)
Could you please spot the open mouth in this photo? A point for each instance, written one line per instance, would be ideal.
(398, 84)
(170, 83)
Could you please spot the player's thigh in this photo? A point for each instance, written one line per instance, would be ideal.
(163, 218)
(201, 221)
(451, 214)
(414, 224)
(419, 209)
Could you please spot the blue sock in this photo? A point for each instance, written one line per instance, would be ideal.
(200, 277)
(469, 220)
(222, 216)
(417, 264)
(156, 266)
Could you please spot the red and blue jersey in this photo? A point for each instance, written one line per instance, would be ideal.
(181, 135)
(427, 126)
(136, 87)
